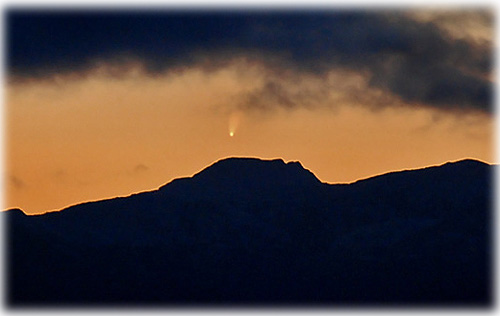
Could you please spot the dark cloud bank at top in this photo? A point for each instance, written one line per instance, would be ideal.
(416, 61)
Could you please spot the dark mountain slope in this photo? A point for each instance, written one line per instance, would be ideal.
(248, 231)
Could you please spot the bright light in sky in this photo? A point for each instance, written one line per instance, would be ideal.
(120, 126)
(54, 122)
(234, 121)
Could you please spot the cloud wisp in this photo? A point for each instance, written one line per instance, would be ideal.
(412, 57)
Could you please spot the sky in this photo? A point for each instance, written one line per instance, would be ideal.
(104, 103)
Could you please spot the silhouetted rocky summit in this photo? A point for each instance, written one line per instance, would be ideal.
(265, 232)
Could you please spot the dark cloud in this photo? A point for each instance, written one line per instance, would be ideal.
(415, 60)
(275, 92)
(16, 182)
(140, 168)
(59, 173)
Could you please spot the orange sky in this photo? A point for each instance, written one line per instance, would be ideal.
(79, 138)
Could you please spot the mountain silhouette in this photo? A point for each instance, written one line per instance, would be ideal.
(247, 231)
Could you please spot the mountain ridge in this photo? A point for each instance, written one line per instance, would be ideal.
(252, 232)
(295, 163)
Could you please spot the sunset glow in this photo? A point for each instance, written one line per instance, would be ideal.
(180, 157)
(109, 128)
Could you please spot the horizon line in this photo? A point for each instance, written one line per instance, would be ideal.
(248, 157)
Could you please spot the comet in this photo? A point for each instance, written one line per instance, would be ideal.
(234, 122)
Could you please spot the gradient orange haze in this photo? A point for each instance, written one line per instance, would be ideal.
(75, 139)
